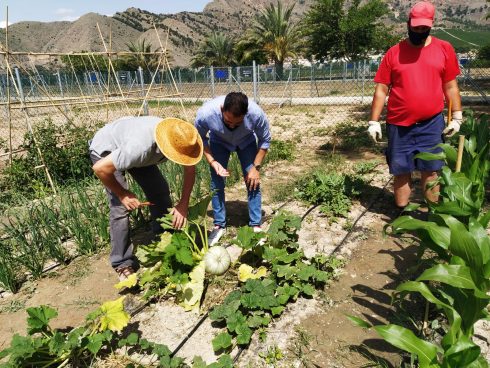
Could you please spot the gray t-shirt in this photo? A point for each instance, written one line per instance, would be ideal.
(131, 141)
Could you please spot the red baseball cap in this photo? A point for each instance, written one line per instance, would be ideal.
(422, 14)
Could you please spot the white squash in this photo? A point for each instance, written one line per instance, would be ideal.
(217, 260)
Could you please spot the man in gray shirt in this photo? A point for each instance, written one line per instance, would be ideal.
(136, 145)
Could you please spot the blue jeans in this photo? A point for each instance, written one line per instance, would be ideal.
(246, 157)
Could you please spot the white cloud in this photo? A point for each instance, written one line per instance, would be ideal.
(4, 23)
(64, 11)
(70, 18)
(66, 14)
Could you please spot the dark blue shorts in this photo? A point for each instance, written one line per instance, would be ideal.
(405, 142)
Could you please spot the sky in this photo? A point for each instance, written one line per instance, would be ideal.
(58, 10)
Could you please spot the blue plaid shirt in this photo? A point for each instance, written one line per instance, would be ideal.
(255, 126)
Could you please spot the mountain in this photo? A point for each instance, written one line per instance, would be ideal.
(187, 29)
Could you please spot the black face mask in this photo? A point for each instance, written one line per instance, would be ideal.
(417, 38)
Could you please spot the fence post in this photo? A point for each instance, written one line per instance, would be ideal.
(254, 79)
(142, 83)
(230, 75)
(19, 83)
(363, 79)
(58, 76)
(258, 83)
(238, 77)
(211, 72)
(311, 78)
(290, 81)
(180, 80)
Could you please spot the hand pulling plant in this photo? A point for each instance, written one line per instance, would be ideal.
(176, 264)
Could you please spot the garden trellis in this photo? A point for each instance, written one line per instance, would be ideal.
(33, 88)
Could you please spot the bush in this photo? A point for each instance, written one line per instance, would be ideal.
(65, 152)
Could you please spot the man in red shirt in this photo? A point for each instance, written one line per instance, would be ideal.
(419, 73)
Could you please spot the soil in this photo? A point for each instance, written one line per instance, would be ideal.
(311, 332)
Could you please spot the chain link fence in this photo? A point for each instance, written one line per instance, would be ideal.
(32, 94)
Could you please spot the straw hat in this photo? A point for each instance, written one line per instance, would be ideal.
(179, 141)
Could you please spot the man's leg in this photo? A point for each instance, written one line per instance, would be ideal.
(157, 191)
(430, 194)
(247, 157)
(121, 247)
(222, 155)
(402, 188)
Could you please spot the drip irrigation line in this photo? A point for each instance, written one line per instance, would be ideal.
(242, 349)
(189, 335)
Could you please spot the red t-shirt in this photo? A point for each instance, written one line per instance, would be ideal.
(416, 76)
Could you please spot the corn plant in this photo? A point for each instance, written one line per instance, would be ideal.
(459, 284)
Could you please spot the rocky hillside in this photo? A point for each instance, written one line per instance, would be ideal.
(187, 29)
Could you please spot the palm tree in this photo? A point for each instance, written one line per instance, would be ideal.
(144, 56)
(215, 50)
(274, 32)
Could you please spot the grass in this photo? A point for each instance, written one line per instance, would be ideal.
(13, 306)
(466, 38)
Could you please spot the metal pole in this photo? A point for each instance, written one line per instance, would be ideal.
(238, 77)
(142, 82)
(230, 75)
(258, 83)
(19, 83)
(254, 80)
(363, 80)
(290, 81)
(311, 78)
(58, 76)
(211, 71)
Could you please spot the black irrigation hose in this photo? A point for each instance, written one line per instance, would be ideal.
(189, 335)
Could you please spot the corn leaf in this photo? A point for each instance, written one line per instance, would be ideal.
(406, 340)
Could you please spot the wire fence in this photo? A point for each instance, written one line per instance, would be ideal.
(30, 93)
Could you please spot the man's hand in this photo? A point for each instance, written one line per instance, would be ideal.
(252, 179)
(454, 125)
(374, 131)
(220, 170)
(179, 213)
(129, 200)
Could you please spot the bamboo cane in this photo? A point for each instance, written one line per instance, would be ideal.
(170, 71)
(460, 153)
(449, 112)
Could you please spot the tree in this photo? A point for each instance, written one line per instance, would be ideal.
(333, 32)
(246, 52)
(274, 33)
(143, 56)
(322, 27)
(215, 50)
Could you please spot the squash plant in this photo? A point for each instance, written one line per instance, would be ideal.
(176, 264)
(277, 272)
(47, 347)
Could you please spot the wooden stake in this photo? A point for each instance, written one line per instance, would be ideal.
(170, 71)
(460, 153)
(449, 112)
(112, 67)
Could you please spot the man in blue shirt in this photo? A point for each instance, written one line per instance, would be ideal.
(234, 124)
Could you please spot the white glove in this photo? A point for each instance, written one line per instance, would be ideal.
(454, 125)
(374, 131)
